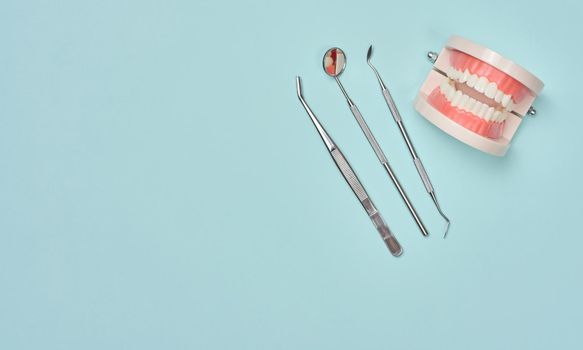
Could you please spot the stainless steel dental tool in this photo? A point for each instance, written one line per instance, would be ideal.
(334, 63)
(395, 112)
(352, 179)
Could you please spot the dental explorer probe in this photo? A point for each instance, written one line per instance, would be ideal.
(334, 63)
(397, 116)
(352, 179)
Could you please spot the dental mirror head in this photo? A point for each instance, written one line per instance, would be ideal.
(334, 62)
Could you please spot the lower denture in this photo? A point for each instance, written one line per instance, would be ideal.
(489, 129)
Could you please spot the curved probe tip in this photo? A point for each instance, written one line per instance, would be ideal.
(447, 225)
(447, 222)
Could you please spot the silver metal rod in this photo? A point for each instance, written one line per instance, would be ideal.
(406, 199)
(397, 117)
(348, 99)
(330, 145)
(352, 180)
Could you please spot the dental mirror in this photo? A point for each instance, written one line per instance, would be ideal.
(334, 62)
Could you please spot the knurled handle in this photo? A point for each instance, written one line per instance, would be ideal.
(360, 192)
(349, 174)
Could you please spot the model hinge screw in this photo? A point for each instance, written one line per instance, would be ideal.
(432, 56)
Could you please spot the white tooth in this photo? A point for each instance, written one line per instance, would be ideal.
(470, 105)
(483, 110)
(505, 100)
(464, 101)
(456, 98)
(489, 113)
(448, 71)
(459, 75)
(472, 79)
(498, 96)
(510, 106)
(464, 76)
(450, 92)
(491, 90)
(481, 85)
(476, 107)
(443, 86)
(496, 116)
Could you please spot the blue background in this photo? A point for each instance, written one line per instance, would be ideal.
(161, 186)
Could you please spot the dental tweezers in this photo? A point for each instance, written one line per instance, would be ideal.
(352, 179)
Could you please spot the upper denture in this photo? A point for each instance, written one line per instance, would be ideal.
(479, 87)
(505, 83)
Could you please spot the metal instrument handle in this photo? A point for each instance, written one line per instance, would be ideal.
(392, 105)
(397, 116)
(369, 136)
(352, 180)
(423, 174)
(385, 232)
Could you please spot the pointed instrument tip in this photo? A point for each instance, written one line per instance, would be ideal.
(447, 225)
(299, 86)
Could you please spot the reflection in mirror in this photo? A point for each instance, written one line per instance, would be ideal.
(334, 62)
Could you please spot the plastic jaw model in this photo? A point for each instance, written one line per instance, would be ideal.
(477, 96)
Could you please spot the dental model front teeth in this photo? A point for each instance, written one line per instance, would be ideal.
(498, 96)
(464, 77)
(481, 85)
(456, 98)
(472, 80)
(464, 101)
(477, 108)
(483, 110)
(496, 116)
(469, 104)
(489, 114)
(505, 101)
(491, 89)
